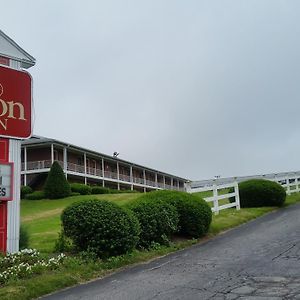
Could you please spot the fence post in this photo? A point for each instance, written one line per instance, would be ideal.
(188, 187)
(237, 195)
(288, 188)
(215, 195)
(297, 183)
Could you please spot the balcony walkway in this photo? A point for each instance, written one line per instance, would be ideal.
(34, 167)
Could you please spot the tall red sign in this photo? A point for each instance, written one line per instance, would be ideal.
(15, 103)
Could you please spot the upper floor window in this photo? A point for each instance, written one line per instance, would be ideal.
(80, 160)
(4, 61)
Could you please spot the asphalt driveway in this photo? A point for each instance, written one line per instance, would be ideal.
(259, 260)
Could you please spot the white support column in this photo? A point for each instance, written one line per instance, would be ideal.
(84, 161)
(13, 216)
(15, 64)
(172, 183)
(118, 175)
(102, 165)
(13, 207)
(237, 195)
(144, 175)
(188, 187)
(156, 183)
(52, 154)
(65, 159)
(25, 165)
(164, 178)
(296, 183)
(131, 177)
(178, 187)
(288, 188)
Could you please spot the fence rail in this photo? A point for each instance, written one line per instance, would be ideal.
(290, 183)
(289, 180)
(216, 188)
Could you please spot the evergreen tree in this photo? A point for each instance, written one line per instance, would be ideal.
(56, 185)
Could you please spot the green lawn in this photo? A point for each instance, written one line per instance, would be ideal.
(42, 217)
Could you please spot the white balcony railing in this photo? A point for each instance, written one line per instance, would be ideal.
(71, 167)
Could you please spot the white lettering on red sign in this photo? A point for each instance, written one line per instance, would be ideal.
(10, 110)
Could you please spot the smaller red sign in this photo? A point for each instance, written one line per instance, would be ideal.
(15, 103)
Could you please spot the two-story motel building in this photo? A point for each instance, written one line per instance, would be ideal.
(90, 167)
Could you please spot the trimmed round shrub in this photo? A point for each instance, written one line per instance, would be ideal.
(261, 192)
(101, 227)
(25, 190)
(96, 190)
(195, 214)
(56, 185)
(37, 195)
(80, 188)
(158, 221)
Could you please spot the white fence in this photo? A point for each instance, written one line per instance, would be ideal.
(215, 188)
(290, 181)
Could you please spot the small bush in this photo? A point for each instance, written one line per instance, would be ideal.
(96, 190)
(158, 221)
(80, 188)
(115, 191)
(25, 190)
(261, 192)
(56, 185)
(24, 238)
(74, 194)
(37, 195)
(195, 215)
(101, 227)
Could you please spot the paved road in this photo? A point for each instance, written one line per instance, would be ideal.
(259, 261)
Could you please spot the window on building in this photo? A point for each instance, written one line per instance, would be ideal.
(4, 61)
(80, 160)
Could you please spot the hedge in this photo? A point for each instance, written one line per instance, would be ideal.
(261, 192)
(80, 188)
(25, 190)
(37, 195)
(101, 227)
(158, 221)
(195, 214)
(96, 190)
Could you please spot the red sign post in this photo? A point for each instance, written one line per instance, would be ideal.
(15, 103)
(4, 144)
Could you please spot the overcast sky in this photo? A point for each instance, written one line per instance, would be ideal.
(194, 88)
